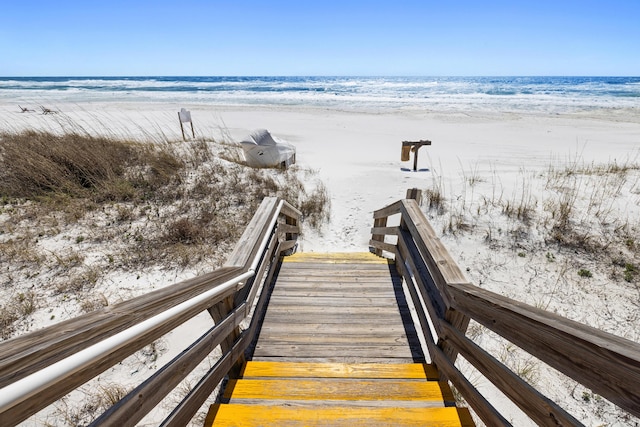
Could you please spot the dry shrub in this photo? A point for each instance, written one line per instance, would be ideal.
(183, 230)
(80, 282)
(94, 403)
(15, 308)
(20, 252)
(36, 164)
(315, 208)
(435, 199)
(93, 303)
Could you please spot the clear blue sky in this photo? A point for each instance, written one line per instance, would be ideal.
(276, 37)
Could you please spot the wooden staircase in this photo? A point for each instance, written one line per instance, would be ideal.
(332, 339)
(337, 347)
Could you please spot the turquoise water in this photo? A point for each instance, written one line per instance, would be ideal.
(543, 94)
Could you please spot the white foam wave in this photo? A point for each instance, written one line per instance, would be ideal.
(450, 94)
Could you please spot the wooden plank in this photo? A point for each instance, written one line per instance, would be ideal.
(266, 266)
(363, 259)
(374, 266)
(337, 333)
(343, 292)
(333, 340)
(385, 231)
(538, 407)
(425, 284)
(441, 266)
(362, 351)
(378, 239)
(423, 321)
(315, 314)
(361, 292)
(382, 245)
(337, 389)
(335, 258)
(339, 359)
(354, 319)
(289, 211)
(354, 282)
(288, 229)
(287, 244)
(321, 276)
(341, 370)
(388, 211)
(328, 331)
(340, 302)
(247, 246)
(607, 364)
(297, 416)
(333, 286)
(303, 310)
(334, 274)
(283, 337)
(334, 305)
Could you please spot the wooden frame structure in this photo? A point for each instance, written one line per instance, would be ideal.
(412, 147)
(39, 368)
(445, 303)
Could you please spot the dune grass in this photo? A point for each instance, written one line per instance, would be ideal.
(75, 208)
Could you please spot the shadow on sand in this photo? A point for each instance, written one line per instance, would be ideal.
(411, 170)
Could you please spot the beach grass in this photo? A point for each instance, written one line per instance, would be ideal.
(76, 208)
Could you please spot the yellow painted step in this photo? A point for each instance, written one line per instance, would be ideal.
(278, 416)
(339, 370)
(337, 258)
(431, 393)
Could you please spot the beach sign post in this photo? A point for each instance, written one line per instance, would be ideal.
(412, 146)
(185, 117)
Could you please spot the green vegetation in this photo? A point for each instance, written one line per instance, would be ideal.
(584, 273)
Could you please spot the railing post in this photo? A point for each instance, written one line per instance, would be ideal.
(379, 222)
(412, 194)
(218, 313)
(415, 194)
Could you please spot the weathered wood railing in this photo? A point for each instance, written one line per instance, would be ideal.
(607, 364)
(41, 367)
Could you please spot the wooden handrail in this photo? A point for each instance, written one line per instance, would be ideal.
(23, 355)
(38, 368)
(445, 303)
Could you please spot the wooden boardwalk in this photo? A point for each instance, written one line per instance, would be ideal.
(337, 347)
(338, 308)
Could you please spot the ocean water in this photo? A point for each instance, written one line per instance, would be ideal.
(506, 94)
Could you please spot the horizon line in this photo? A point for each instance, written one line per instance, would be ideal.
(317, 76)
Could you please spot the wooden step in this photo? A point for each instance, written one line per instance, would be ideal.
(390, 392)
(337, 394)
(337, 258)
(340, 370)
(294, 416)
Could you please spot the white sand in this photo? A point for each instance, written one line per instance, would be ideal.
(357, 156)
